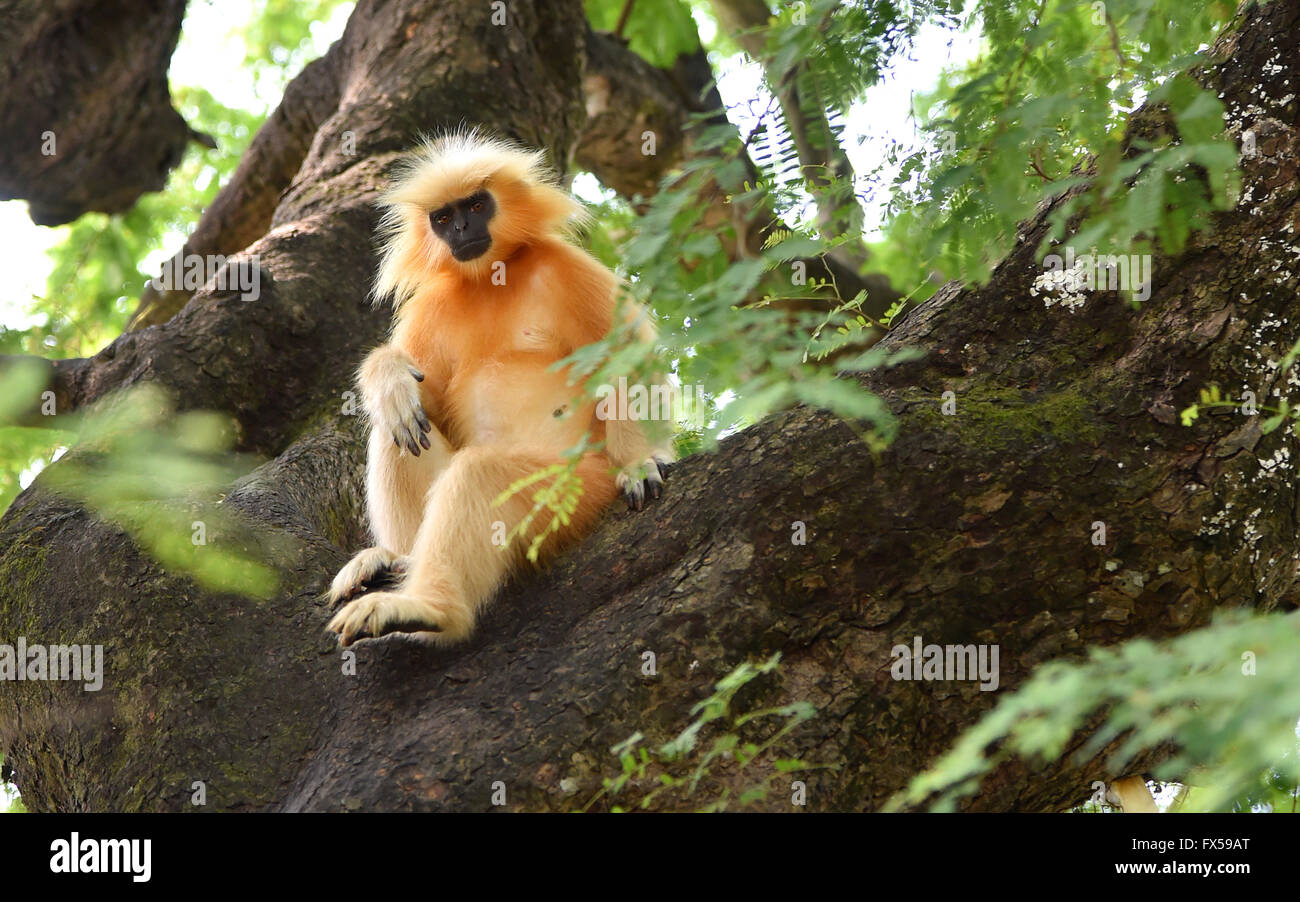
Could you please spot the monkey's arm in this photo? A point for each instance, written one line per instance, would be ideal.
(639, 438)
(390, 393)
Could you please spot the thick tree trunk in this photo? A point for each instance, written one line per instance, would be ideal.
(970, 528)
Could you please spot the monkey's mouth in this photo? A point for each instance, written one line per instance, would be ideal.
(471, 250)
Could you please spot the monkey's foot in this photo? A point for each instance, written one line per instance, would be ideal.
(380, 613)
(366, 571)
(636, 481)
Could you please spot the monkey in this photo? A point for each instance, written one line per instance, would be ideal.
(490, 290)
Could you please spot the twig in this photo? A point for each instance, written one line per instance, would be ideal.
(1037, 166)
(623, 17)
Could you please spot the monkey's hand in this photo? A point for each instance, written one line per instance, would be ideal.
(391, 393)
(637, 480)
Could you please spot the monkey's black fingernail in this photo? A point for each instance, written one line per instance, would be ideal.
(424, 421)
(419, 376)
(663, 470)
(424, 441)
(413, 447)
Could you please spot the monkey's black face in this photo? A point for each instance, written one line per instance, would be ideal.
(463, 224)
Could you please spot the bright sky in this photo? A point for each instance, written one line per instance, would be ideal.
(884, 115)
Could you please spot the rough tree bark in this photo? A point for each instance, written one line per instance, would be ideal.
(969, 528)
(85, 93)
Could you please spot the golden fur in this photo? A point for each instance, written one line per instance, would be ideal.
(483, 333)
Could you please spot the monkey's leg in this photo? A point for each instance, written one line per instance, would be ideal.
(397, 485)
(397, 488)
(398, 476)
(455, 564)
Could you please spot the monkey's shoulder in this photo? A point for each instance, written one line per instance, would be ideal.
(565, 266)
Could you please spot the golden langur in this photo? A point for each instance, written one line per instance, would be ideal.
(463, 401)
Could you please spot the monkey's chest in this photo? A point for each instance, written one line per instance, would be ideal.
(518, 400)
(509, 394)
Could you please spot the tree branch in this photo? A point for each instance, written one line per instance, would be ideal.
(242, 210)
(86, 120)
(626, 97)
(62, 377)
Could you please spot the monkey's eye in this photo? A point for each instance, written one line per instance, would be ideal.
(476, 207)
(442, 218)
